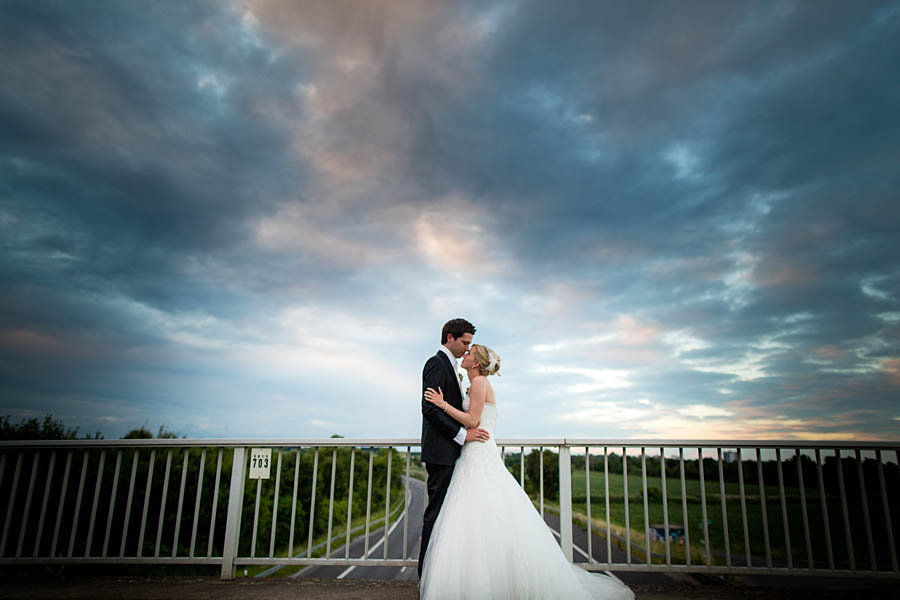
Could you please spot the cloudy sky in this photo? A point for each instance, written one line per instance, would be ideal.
(251, 219)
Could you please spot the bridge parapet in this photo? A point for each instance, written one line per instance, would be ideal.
(694, 506)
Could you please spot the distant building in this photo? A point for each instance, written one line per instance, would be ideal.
(729, 456)
(676, 533)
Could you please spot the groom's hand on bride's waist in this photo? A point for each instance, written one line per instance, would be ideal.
(476, 434)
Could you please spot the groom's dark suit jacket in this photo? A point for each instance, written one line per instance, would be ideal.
(438, 429)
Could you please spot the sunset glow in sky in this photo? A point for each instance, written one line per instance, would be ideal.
(251, 219)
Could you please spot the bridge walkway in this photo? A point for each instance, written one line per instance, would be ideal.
(35, 586)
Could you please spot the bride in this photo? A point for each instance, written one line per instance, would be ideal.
(488, 540)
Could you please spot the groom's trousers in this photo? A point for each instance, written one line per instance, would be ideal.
(438, 482)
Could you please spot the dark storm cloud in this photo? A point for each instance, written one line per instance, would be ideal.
(785, 105)
(110, 130)
(125, 170)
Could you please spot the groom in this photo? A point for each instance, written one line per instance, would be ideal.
(442, 437)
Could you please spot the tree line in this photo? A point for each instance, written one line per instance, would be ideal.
(849, 468)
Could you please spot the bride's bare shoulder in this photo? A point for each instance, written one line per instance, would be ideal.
(479, 385)
(482, 384)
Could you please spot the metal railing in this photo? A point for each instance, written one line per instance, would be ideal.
(834, 511)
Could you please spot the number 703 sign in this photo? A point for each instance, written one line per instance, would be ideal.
(260, 460)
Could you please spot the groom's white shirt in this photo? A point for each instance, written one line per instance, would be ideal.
(461, 436)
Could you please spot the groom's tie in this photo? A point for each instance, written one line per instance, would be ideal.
(459, 378)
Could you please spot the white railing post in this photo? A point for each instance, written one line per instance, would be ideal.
(565, 501)
(233, 517)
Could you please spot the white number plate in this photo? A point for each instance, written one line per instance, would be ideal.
(260, 459)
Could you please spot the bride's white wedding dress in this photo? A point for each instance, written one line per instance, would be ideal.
(489, 542)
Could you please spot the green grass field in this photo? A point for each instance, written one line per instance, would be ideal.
(796, 532)
(673, 485)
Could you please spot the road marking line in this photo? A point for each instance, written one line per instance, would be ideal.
(302, 572)
(346, 571)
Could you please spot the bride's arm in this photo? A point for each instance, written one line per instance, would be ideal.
(476, 403)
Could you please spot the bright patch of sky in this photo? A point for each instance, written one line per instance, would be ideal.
(683, 159)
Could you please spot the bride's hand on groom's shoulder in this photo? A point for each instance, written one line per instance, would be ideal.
(436, 397)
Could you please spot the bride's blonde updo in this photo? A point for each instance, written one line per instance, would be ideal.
(488, 360)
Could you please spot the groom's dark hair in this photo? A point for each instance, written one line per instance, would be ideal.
(456, 328)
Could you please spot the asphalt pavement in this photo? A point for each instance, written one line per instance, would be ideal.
(413, 515)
